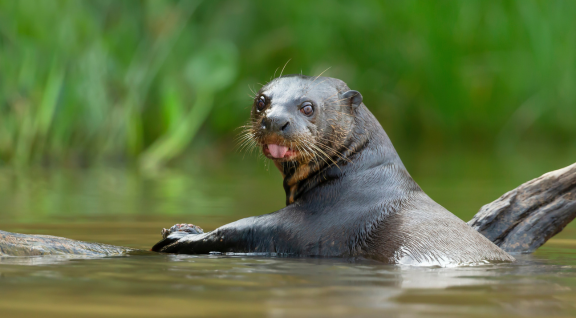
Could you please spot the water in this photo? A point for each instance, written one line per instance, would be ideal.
(123, 208)
(162, 285)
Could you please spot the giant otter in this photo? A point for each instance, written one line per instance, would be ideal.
(348, 195)
(347, 192)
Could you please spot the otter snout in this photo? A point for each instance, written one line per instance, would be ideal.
(279, 125)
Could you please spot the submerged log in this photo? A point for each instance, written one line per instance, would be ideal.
(14, 244)
(523, 219)
(519, 222)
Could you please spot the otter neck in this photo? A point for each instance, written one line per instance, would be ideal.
(301, 177)
(366, 134)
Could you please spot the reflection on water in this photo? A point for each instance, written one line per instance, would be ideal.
(123, 208)
(179, 285)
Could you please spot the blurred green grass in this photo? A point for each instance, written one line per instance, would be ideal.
(139, 82)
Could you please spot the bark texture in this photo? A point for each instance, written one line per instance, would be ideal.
(14, 244)
(523, 219)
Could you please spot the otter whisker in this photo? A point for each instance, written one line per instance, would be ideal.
(327, 140)
(330, 141)
(305, 154)
(311, 155)
(325, 154)
(320, 141)
(284, 67)
(252, 90)
(274, 76)
(264, 160)
(244, 130)
(247, 149)
(299, 146)
(327, 147)
(247, 144)
(334, 152)
(243, 137)
(316, 154)
(246, 138)
(321, 74)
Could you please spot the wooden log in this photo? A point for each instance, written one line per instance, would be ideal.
(14, 244)
(523, 219)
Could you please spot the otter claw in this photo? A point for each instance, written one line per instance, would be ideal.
(188, 228)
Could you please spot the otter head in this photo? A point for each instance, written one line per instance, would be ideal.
(303, 123)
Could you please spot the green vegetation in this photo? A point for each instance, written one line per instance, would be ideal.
(136, 81)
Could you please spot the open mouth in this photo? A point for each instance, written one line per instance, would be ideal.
(278, 152)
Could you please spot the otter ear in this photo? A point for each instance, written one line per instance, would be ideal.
(354, 97)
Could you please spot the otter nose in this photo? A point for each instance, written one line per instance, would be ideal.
(276, 124)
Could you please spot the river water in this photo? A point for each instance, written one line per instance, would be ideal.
(122, 207)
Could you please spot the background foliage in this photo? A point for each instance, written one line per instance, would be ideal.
(83, 82)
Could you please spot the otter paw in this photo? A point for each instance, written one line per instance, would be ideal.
(185, 228)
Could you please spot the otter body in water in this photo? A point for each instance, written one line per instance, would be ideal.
(347, 192)
(349, 195)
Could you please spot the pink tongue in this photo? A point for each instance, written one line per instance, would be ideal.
(277, 151)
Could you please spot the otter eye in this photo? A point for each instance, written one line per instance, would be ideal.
(307, 109)
(261, 103)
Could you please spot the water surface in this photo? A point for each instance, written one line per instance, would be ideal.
(121, 207)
